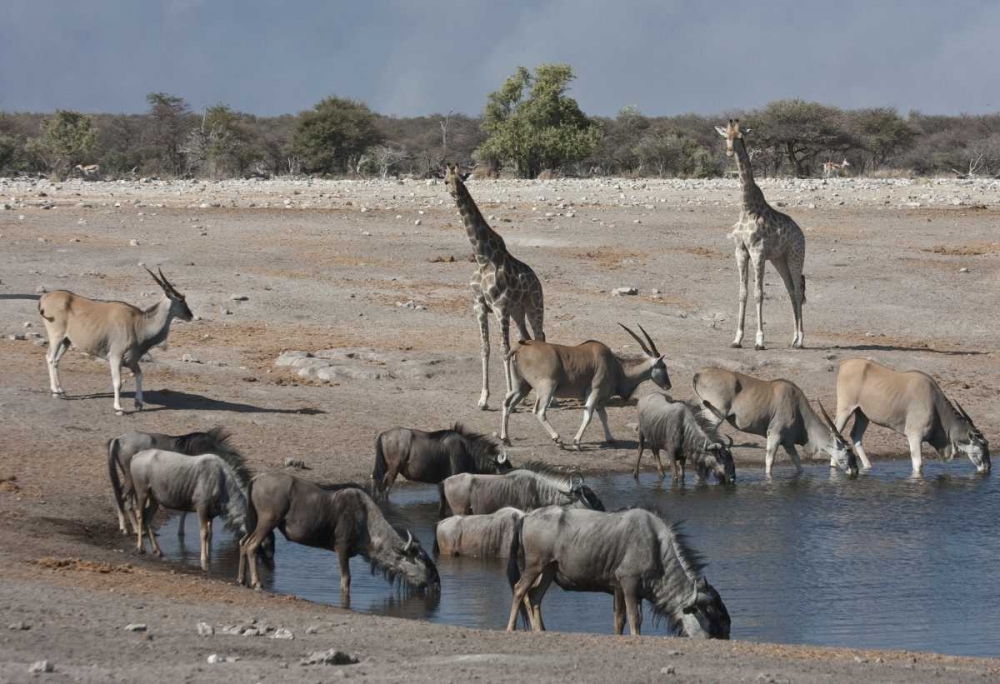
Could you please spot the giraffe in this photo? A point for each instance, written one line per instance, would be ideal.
(500, 284)
(764, 234)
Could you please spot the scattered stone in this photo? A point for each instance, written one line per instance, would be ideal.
(668, 670)
(41, 289)
(226, 312)
(417, 222)
(135, 627)
(21, 626)
(295, 463)
(187, 358)
(624, 291)
(254, 631)
(41, 666)
(205, 629)
(216, 658)
(964, 269)
(239, 298)
(331, 657)
(312, 630)
(133, 243)
(16, 337)
(282, 633)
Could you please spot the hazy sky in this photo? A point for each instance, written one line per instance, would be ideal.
(419, 57)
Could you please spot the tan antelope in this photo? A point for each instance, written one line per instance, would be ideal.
(831, 168)
(775, 409)
(910, 403)
(89, 171)
(589, 371)
(117, 331)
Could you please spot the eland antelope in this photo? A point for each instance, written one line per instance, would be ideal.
(117, 331)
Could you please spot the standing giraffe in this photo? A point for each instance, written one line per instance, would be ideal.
(501, 283)
(763, 234)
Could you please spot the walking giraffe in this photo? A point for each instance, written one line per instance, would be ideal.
(501, 283)
(764, 234)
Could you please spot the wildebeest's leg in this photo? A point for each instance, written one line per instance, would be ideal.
(544, 393)
(137, 373)
(619, 611)
(742, 263)
(758, 262)
(681, 464)
(794, 455)
(857, 434)
(772, 448)
(148, 514)
(916, 458)
(602, 413)
(535, 596)
(345, 572)
(659, 463)
(588, 414)
(389, 479)
(673, 467)
(633, 605)
(520, 591)
(642, 445)
(116, 380)
(58, 344)
(205, 524)
(483, 316)
(139, 503)
(181, 522)
(249, 545)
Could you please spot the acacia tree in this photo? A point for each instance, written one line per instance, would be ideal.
(170, 122)
(335, 134)
(67, 138)
(802, 130)
(534, 125)
(881, 133)
(224, 144)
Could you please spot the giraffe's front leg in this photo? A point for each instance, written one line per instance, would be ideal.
(742, 271)
(503, 317)
(483, 316)
(758, 272)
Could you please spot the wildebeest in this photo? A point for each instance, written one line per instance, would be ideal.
(775, 409)
(910, 403)
(204, 484)
(682, 430)
(117, 331)
(477, 536)
(589, 371)
(433, 456)
(335, 517)
(121, 449)
(633, 555)
(525, 489)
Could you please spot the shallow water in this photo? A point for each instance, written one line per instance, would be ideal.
(881, 562)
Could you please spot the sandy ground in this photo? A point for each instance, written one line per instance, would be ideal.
(332, 266)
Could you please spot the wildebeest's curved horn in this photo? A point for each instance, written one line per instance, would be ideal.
(826, 416)
(575, 482)
(652, 345)
(502, 458)
(409, 542)
(637, 339)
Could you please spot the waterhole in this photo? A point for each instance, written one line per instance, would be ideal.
(884, 561)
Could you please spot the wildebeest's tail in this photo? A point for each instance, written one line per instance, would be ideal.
(513, 569)
(116, 483)
(803, 288)
(378, 472)
(265, 552)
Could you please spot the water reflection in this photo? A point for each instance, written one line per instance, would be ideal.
(884, 561)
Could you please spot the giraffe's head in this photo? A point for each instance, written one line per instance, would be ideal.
(732, 132)
(452, 179)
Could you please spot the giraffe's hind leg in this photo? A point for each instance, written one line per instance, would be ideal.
(783, 268)
(796, 261)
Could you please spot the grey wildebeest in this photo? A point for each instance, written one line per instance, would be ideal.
(910, 403)
(525, 489)
(116, 331)
(633, 554)
(775, 409)
(433, 456)
(204, 484)
(682, 430)
(589, 371)
(341, 518)
(477, 536)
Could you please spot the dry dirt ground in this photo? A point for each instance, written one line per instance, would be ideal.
(332, 266)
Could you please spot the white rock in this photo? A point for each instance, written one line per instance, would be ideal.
(135, 627)
(625, 291)
(963, 270)
(282, 633)
(216, 658)
(133, 243)
(417, 222)
(205, 629)
(41, 666)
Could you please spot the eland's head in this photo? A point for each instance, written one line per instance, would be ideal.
(178, 304)
(966, 438)
(658, 372)
(840, 451)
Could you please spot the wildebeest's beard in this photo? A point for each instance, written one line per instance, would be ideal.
(409, 569)
(706, 616)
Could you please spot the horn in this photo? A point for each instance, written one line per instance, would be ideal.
(502, 458)
(158, 281)
(167, 284)
(637, 339)
(652, 345)
(730, 438)
(961, 412)
(575, 481)
(409, 542)
(716, 412)
(826, 416)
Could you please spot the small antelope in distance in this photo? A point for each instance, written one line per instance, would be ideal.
(588, 371)
(117, 331)
(90, 171)
(910, 403)
(831, 168)
(775, 409)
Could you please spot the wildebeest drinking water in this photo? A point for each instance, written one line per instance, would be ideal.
(341, 518)
(433, 456)
(682, 430)
(525, 489)
(205, 484)
(121, 449)
(477, 536)
(633, 555)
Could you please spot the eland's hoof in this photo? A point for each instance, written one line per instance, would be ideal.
(138, 406)
(736, 345)
(505, 441)
(119, 412)
(759, 347)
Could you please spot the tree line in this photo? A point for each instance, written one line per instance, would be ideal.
(530, 126)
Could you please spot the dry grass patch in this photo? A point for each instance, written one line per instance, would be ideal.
(81, 565)
(971, 249)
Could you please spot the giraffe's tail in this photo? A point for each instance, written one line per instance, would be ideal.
(803, 288)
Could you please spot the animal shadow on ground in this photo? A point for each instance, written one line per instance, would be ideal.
(892, 348)
(169, 400)
(31, 297)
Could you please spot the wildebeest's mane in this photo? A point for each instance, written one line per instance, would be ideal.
(480, 446)
(337, 486)
(554, 476)
(704, 420)
(215, 441)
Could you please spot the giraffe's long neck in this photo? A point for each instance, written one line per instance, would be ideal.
(486, 243)
(753, 198)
